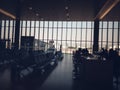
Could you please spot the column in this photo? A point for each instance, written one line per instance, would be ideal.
(96, 36)
(17, 24)
(0, 27)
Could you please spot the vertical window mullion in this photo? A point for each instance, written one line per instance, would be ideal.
(34, 28)
(39, 36)
(13, 31)
(21, 27)
(113, 35)
(61, 32)
(48, 34)
(4, 29)
(102, 35)
(107, 35)
(9, 30)
(118, 35)
(26, 28)
(81, 35)
(86, 36)
(30, 29)
(0, 27)
(52, 29)
(9, 34)
(43, 29)
(66, 33)
(71, 34)
(76, 35)
(91, 35)
(57, 36)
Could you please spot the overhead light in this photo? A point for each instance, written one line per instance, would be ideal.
(42, 19)
(7, 14)
(66, 7)
(37, 14)
(30, 8)
(67, 14)
(108, 6)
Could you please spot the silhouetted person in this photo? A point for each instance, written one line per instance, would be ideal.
(113, 55)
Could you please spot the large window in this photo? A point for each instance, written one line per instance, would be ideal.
(109, 34)
(70, 34)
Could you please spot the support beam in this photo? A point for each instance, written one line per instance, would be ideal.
(7, 14)
(17, 24)
(96, 36)
(0, 27)
(107, 7)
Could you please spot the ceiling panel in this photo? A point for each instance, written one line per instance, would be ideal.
(56, 9)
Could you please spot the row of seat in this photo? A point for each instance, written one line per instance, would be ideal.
(24, 63)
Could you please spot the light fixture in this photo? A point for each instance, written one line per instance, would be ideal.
(30, 8)
(37, 14)
(7, 14)
(108, 6)
(66, 7)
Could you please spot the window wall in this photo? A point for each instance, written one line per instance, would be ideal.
(109, 34)
(70, 34)
(8, 32)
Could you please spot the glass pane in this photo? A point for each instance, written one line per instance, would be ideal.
(59, 34)
(37, 24)
(69, 34)
(83, 34)
(64, 24)
(7, 22)
(41, 33)
(100, 24)
(89, 25)
(84, 24)
(23, 31)
(73, 34)
(45, 33)
(89, 35)
(64, 34)
(78, 34)
(6, 33)
(100, 33)
(74, 25)
(50, 33)
(104, 24)
(28, 31)
(110, 25)
(11, 22)
(105, 35)
(36, 33)
(28, 24)
(24, 24)
(55, 24)
(78, 24)
(3, 22)
(55, 34)
(59, 24)
(109, 35)
(115, 24)
(32, 31)
(50, 24)
(46, 24)
(115, 35)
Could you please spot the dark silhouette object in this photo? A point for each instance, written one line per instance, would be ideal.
(104, 54)
(113, 55)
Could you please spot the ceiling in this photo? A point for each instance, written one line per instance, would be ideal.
(73, 10)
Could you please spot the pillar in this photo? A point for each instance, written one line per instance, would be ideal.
(96, 36)
(17, 24)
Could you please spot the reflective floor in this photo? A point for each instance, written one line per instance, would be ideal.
(57, 78)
